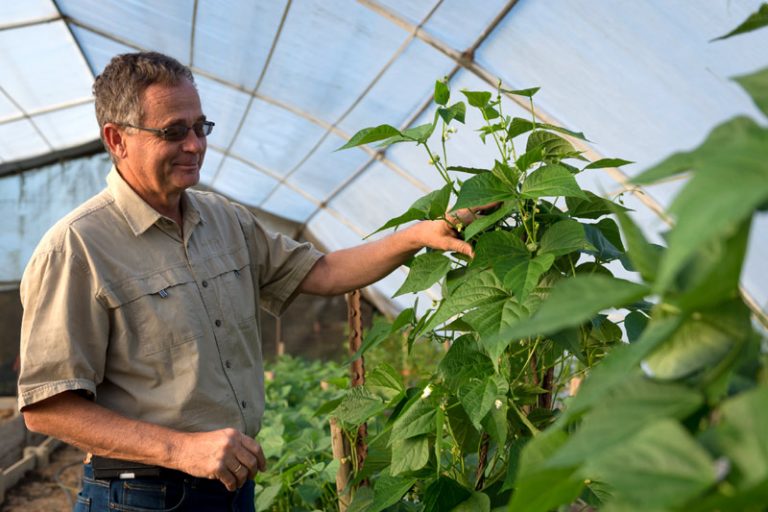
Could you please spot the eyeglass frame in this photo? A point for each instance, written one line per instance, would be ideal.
(162, 133)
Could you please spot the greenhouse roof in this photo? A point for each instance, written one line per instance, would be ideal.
(289, 82)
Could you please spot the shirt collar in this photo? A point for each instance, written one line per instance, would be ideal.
(139, 215)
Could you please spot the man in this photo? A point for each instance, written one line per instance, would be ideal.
(140, 337)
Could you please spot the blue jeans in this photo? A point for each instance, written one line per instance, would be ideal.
(161, 494)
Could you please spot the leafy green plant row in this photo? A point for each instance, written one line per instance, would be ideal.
(671, 415)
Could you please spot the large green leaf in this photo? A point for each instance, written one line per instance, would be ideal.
(528, 93)
(482, 189)
(430, 206)
(551, 181)
(385, 382)
(741, 434)
(552, 146)
(425, 270)
(444, 494)
(662, 466)
(523, 277)
(538, 488)
(486, 221)
(605, 238)
(477, 98)
(644, 256)
(499, 251)
(756, 84)
(409, 454)
(463, 362)
(490, 319)
(703, 340)
(571, 302)
(480, 288)
(477, 397)
(388, 490)
(624, 411)
(373, 134)
(457, 111)
(607, 162)
(564, 237)
(478, 502)
(416, 420)
(756, 20)
(358, 405)
(591, 207)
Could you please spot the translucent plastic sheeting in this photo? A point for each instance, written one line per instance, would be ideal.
(98, 50)
(328, 52)
(42, 66)
(458, 23)
(7, 109)
(235, 48)
(19, 139)
(224, 106)
(30, 203)
(69, 127)
(242, 182)
(12, 13)
(165, 26)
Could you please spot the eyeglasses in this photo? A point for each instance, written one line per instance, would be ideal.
(178, 132)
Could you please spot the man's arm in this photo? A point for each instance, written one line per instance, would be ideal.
(349, 269)
(225, 455)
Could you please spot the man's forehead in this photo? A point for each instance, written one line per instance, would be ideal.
(169, 103)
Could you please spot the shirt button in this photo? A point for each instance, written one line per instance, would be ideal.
(227, 364)
(218, 323)
(205, 284)
(243, 404)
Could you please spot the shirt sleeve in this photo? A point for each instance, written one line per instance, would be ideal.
(280, 262)
(65, 329)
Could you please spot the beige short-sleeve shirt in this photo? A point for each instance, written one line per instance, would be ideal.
(156, 327)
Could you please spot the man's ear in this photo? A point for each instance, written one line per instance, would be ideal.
(115, 140)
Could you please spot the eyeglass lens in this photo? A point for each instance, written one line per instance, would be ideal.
(179, 131)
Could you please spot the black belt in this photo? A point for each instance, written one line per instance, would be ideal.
(116, 469)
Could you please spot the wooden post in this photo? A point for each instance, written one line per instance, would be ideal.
(340, 448)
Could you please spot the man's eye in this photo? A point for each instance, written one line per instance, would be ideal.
(176, 131)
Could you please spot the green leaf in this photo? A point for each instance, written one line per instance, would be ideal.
(368, 135)
(528, 93)
(444, 494)
(756, 85)
(644, 256)
(547, 126)
(425, 270)
(623, 412)
(756, 20)
(358, 406)
(463, 362)
(553, 146)
(705, 209)
(571, 302)
(661, 466)
(468, 170)
(703, 340)
(266, 497)
(457, 111)
(523, 277)
(634, 323)
(409, 454)
(481, 288)
(489, 319)
(477, 397)
(607, 162)
(519, 126)
(605, 238)
(551, 181)
(477, 98)
(529, 158)
(416, 420)
(442, 93)
(486, 221)
(478, 502)
(564, 237)
(385, 382)
(483, 189)
(388, 490)
(428, 207)
(499, 251)
(419, 133)
(741, 434)
(379, 331)
(591, 207)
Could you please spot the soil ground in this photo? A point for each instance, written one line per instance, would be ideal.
(49, 489)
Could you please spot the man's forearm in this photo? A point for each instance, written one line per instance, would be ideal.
(93, 428)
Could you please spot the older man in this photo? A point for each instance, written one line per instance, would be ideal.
(140, 338)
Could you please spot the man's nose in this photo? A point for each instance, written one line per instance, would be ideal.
(192, 143)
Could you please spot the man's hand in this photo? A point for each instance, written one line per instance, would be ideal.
(225, 455)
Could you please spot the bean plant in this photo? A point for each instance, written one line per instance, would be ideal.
(671, 414)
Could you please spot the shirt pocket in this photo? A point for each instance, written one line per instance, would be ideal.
(232, 280)
(156, 312)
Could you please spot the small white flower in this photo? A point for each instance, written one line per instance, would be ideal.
(427, 391)
(497, 403)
